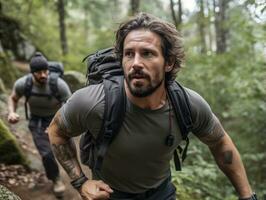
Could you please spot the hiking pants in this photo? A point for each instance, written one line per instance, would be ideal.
(37, 126)
(165, 191)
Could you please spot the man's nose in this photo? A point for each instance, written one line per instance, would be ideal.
(137, 62)
(43, 74)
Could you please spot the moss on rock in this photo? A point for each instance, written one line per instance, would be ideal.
(9, 148)
(7, 194)
(8, 73)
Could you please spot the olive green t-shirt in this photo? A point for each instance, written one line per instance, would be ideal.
(43, 106)
(138, 158)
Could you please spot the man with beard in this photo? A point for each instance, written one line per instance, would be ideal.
(42, 106)
(137, 162)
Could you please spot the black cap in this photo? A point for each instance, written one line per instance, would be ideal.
(38, 62)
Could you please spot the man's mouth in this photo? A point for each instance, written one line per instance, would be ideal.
(42, 80)
(138, 75)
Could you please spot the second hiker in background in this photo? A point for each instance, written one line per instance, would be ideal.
(44, 93)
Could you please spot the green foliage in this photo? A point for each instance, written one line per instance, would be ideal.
(200, 178)
(155, 6)
(234, 85)
(37, 21)
(235, 89)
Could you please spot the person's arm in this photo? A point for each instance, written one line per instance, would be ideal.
(13, 99)
(65, 152)
(228, 159)
(64, 90)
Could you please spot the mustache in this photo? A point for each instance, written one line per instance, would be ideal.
(43, 79)
(137, 74)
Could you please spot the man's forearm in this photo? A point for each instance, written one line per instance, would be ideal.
(12, 104)
(64, 147)
(229, 161)
(67, 157)
(228, 158)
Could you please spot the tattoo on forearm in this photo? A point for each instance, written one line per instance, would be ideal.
(66, 155)
(228, 157)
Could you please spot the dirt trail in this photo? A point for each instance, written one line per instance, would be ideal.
(43, 193)
(43, 189)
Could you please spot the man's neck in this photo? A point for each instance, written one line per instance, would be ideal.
(154, 101)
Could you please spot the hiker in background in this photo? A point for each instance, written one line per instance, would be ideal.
(137, 162)
(44, 95)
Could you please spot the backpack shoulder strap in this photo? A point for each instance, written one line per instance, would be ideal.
(114, 112)
(182, 110)
(53, 84)
(28, 86)
(27, 93)
(181, 105)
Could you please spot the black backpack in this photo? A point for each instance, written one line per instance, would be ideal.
(56, 70)
(104, 67)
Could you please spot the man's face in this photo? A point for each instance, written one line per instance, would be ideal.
(41, 76)
(143, 62)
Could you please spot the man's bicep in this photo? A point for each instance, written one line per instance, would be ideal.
(213, 137)
(14, 96)
(59, 128)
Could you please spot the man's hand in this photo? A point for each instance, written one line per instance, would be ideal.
(13, 118)
(95, 190)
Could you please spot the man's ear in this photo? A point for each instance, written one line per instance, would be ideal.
(169, 65)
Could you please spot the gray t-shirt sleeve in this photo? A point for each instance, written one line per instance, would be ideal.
(63, 90)
(19, 86)
(202, 115)
(84, 110)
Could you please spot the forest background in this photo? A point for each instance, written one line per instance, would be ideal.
(225, 62)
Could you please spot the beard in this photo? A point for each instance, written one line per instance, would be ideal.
(139, 89)
(41, 81)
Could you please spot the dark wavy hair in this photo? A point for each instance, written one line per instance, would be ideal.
(171, 41)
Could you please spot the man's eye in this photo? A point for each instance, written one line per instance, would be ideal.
(148, 54)
(129, 54)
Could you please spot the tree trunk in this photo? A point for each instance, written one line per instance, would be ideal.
(209, 27)
(220, 29)
(86, 10)
(180, 12)
(201, 25)
(177, 20)
(173, 13)
(62, 27)
(134, 6)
